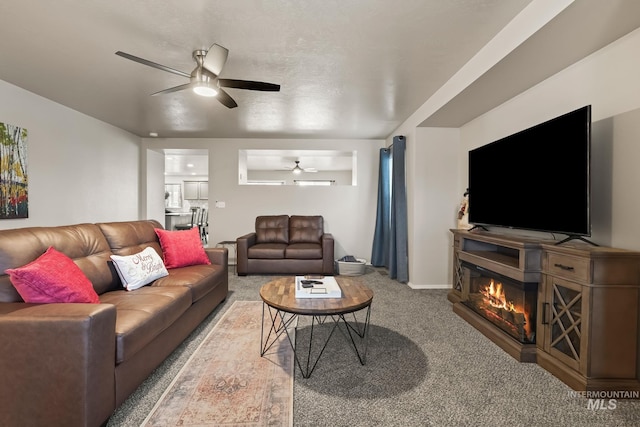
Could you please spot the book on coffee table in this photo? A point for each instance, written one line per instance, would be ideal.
(327, 288)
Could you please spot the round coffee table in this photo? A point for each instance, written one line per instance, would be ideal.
(280, 302)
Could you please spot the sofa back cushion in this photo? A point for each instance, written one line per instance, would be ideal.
(306, 229)
(53, 277)
(83, 243)
(272, 229)
(131, 237)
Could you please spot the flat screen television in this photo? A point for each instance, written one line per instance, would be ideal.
(536, 179)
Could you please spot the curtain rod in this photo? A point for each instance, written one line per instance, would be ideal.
(391, 145)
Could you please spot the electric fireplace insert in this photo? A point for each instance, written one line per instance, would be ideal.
(507, 303)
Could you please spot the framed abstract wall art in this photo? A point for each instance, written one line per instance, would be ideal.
(14, 200)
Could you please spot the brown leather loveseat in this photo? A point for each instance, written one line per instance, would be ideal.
(73, 364)
(283, 244)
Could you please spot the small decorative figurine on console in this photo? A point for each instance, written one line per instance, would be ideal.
(463, 212)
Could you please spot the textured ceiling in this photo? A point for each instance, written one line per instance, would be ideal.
(348, 69)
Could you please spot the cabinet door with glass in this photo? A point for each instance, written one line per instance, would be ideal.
(564, 317)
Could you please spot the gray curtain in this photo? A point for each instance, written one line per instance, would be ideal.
(390, 241)
(380, 251)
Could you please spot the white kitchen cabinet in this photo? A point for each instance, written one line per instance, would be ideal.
(196, 190)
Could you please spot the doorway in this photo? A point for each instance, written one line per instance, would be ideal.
(186, 182)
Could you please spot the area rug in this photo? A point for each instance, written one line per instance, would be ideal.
(226, 382)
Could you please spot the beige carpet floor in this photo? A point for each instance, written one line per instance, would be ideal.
(426, 367)
(227, 383)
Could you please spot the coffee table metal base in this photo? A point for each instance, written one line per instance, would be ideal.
(281, 322)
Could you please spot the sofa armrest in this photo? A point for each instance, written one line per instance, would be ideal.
(57, 363)
(218, 256)
(243, 244)
(327, 254)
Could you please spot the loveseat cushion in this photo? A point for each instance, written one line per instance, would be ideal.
(267, 251)
(198, 278)
(304, 251)
(272, 229)
(305, 229)
(143, 314)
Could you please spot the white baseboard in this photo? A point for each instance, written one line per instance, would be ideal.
(434, 286)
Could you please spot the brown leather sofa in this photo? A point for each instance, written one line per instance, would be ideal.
(74, 364)
(283, 244)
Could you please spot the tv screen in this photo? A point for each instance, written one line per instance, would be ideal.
(536, 179)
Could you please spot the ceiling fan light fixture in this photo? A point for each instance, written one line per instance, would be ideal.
(205, 90)
(297, 169)
(204, 78)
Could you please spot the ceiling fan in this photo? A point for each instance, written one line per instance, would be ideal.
(297, 169)
(204, 78)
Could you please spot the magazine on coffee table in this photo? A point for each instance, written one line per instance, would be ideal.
(325, 287)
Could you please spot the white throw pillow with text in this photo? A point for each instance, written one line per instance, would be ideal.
(139, 269)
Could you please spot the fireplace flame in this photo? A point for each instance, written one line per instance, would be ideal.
(496, 297)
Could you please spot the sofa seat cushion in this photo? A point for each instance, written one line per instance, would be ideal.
(267, 251)
(200, 279)
(304, 251)
(143, 314)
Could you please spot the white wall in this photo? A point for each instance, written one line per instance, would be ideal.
(433, 194)
(153, 188)
(424, 221)
(608, 80)
(625, 176)
(349, 211)
(79, 169)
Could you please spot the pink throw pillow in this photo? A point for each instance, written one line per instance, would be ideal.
(52, 277)
(182, 248)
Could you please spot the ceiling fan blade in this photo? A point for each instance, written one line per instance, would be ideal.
(249, 85)
(152, 64)
(225, 99)
(174, 89)
(215, 58)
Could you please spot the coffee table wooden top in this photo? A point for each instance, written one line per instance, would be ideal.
(280, 293)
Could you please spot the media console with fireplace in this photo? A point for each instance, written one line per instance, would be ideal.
(572, 308)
